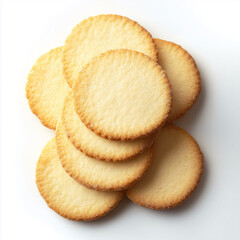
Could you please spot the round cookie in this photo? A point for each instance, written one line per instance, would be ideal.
(95, 146)
(99, 34)
(183, 76)
(46, 88)
(174, 173)
(122, 95)
(67, 197)
(96, 174)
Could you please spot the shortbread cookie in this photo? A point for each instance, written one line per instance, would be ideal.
(96, 174)
(95, 146)
(46, 88)
(99, 34)
(183, 75)
(122, 94)
(174, 173)
(67, 197)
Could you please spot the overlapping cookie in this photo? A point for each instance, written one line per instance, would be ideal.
(174, 173)
(96, 174)
(67, 197)
(122, 94)
(95, 146)
(46, 88)
(183, 76)
(99, 34)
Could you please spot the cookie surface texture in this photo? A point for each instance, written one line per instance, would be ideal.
(95, 146)
(174, 173)
(122, 95)
(64, 195)
(97, 174)
(99, 34)
(183, 76)
(46, 88)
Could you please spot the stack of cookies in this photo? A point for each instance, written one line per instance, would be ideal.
(111, 93)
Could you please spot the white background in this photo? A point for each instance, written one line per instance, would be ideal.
(209, 30)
